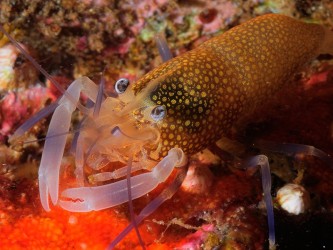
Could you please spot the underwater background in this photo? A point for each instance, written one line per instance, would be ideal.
(70, 39)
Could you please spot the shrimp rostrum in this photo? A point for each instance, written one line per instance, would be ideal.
(179, 108)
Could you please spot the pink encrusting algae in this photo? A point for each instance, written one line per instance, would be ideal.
(15, 71)
(16, 107)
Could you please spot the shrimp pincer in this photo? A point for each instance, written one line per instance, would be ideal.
(101, 197)
(104, 142)
(178, 109)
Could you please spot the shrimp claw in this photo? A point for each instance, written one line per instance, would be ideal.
(48, 174)
(85, 199)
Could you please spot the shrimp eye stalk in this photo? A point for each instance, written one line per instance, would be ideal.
(121, 85)
(158, 113)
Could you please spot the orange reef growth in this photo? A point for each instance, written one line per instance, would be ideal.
(228, 205)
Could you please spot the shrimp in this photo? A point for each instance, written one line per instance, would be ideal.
(176, 110)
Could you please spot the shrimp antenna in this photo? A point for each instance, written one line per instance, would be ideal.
(33, 120)
(44, 72)
(163, 47)
(45, 111)
(99, 98)
(52, 136)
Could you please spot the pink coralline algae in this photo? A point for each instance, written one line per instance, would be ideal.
(15, 108)
(15, 71)
(325, 75)
(195, 240)
(217, 16)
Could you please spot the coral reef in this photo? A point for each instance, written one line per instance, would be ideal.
(15, 70)
(75, 38)
(16, 107)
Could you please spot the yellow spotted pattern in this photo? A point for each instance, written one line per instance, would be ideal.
(208, 89)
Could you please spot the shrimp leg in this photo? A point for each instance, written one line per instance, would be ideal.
(48, 174)
(85, 199)
(296, 150)
(152, 206)
(262, 161)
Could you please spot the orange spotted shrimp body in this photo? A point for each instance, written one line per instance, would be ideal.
(207, 90)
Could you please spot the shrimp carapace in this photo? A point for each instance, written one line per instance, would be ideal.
(209, 89)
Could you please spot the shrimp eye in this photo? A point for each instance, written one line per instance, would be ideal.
(158, 113)
(121, 85)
